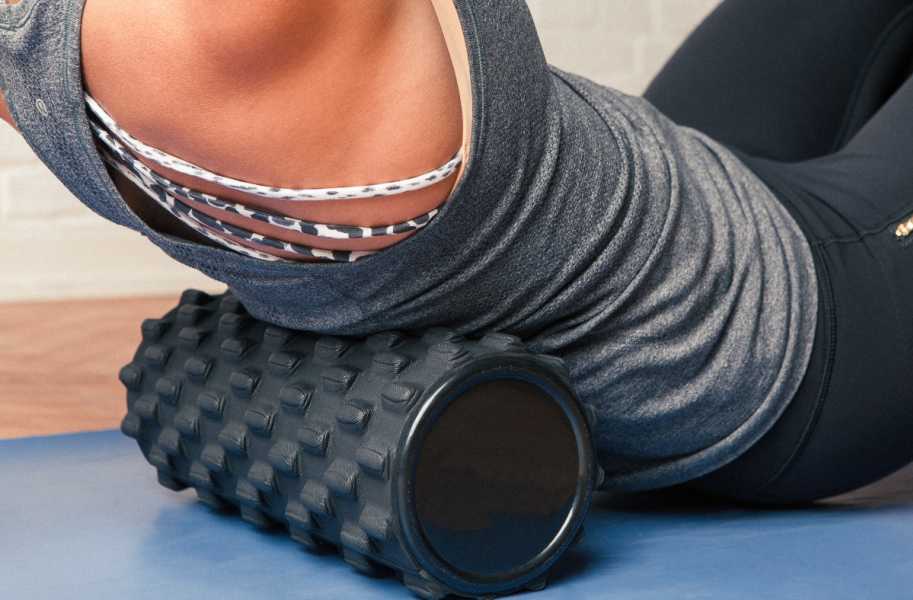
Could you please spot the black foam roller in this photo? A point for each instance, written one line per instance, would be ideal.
(462, 466)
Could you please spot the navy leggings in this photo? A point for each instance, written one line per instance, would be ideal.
(816, 97)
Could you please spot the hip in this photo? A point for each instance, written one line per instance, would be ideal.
(848, 423)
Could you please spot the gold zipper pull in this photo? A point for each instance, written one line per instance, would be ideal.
(905, 228)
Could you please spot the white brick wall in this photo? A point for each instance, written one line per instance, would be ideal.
(52, 246)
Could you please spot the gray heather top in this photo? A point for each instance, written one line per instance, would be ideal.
(682, 295)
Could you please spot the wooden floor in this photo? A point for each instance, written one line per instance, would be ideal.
(59, 362)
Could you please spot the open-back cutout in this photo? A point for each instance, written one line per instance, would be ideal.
(453, 36)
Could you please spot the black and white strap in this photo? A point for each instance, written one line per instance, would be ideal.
(213, 228)
(293, 194)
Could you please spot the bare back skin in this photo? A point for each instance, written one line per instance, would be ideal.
(289, 94)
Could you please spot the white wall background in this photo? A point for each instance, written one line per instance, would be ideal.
(51, 246)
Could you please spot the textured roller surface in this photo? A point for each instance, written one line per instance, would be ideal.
(292, 429)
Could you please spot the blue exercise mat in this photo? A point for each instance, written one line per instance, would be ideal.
(81, 516)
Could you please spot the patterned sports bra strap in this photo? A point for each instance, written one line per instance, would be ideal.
(326, 230)
(371, 190)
